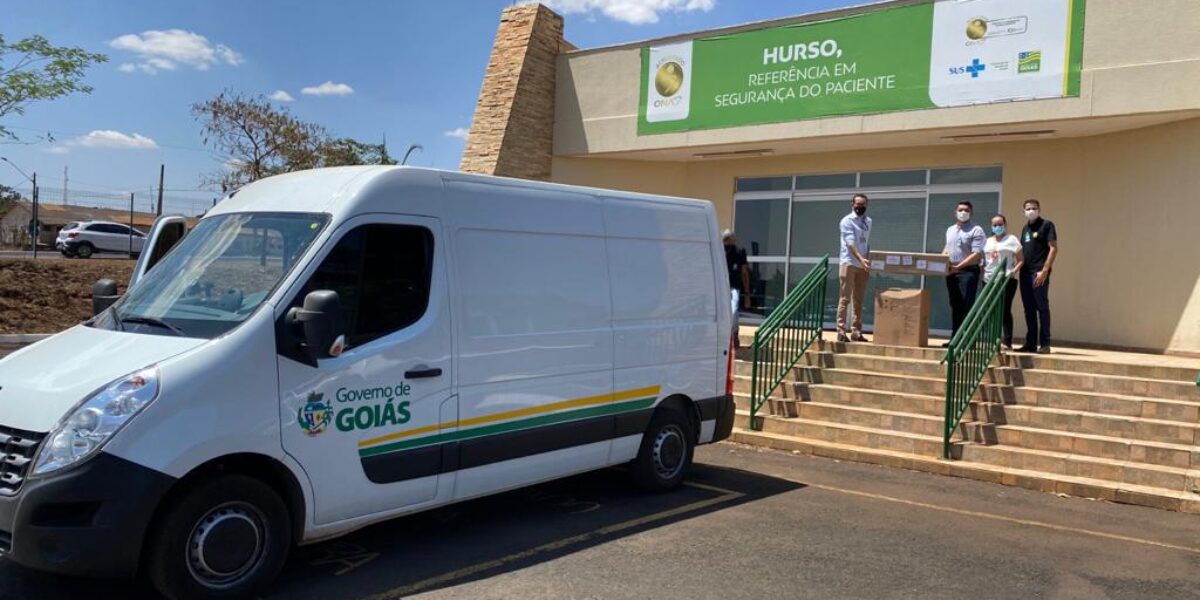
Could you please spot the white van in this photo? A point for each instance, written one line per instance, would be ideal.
(331, 348)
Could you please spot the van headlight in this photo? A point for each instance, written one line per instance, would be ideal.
(95, 420)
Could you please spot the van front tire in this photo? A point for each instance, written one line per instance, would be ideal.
(227, 537)
(665, 455)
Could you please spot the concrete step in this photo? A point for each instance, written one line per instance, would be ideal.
(1104, 384)
(1083, 487)
(803, 377)
(1055, 362)
(1062, 463)
(1054, 419)
(853, 435)
(1182, 456)
(1107, 404)
(849, 415)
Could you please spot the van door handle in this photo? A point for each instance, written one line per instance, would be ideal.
(420, 373)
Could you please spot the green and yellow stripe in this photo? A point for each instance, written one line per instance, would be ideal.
(512, 420)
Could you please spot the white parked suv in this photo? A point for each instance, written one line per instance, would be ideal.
(85, 238)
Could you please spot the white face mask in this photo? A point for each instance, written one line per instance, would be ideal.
(1031, 214)
(964, 216)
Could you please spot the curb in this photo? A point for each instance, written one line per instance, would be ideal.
(23, 338)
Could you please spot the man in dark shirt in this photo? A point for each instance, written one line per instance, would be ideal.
(739, 277)
(1039, 244)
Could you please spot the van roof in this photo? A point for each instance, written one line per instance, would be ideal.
(335, 190)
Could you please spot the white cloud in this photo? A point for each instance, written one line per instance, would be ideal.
(459, 132)
(127, 68)
(105, 138)
(167, 49)
(636, 12)
(328, 88)
(281, 96)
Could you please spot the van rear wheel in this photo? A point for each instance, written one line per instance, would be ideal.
(228, 537)
(666, 452)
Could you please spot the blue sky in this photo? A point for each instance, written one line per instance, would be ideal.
(405, 69)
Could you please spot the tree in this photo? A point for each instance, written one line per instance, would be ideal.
(345, 151)
(257, 139)
(32, 69)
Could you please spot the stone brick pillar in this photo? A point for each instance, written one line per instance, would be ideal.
(512, 133)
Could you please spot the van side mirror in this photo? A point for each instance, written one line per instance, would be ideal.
(321, 320)
(104, 294)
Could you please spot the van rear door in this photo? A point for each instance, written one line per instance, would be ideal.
(367, 425)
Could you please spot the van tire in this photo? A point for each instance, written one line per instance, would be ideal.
(665, 455)
(251, 542)
(84, 250)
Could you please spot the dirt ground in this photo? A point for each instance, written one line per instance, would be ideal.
(47, 296)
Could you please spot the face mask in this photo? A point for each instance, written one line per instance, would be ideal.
(963, 216)
(860, 210)
(998, 229)
(1031, 214)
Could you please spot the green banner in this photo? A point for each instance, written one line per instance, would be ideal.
(936, 54)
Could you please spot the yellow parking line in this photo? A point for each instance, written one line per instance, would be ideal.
(983, 515)
(465, 572)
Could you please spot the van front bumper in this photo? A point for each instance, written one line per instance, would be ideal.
(89, 520)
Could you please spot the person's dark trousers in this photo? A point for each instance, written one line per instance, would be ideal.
(1010, 292)
(1036, 301)
(963, 287)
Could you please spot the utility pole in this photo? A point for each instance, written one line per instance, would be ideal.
(130, 224)
(65, 185)
(35, 226)
(162, 170)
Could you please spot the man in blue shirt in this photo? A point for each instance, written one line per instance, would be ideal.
(964, 245)
(854, 269)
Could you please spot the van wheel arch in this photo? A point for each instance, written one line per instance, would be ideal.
(261, 467)
(688, 407)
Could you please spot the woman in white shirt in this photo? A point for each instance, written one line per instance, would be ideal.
(1003, 248)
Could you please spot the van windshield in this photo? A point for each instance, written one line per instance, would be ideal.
(216, 276)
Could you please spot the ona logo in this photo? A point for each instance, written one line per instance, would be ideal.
(315, 415)
(977, 28)
(669, 78)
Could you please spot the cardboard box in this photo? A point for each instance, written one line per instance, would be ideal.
(910, 263)
(902, 317)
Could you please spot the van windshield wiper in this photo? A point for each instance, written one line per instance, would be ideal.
(152, 321)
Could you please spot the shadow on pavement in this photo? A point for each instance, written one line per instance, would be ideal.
(464, 542)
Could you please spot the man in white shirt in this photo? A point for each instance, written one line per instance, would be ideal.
(854, 270)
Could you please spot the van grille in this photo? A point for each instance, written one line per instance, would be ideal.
(17, 451)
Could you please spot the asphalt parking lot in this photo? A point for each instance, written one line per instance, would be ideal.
(751, 524)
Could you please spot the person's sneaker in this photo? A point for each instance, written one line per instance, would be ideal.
(1044, 350)
(946, 345)
(842, 337)
(1006, 347)
(858, 337)
(1027, 349)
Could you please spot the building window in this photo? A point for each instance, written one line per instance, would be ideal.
(968, 175)
(764, 184)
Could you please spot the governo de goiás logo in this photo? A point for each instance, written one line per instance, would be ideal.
(668, 79)
(315, 415)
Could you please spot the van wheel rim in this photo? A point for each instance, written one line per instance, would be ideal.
(670, 447)
(227, 544)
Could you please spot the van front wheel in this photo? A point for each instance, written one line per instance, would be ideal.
(228, 537)
(666, 451)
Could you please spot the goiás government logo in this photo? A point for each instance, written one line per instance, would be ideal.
(316, 414)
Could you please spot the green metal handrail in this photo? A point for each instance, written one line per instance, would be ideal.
(786, 334)
(971, 351)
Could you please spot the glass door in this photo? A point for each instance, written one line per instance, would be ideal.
(898, 224)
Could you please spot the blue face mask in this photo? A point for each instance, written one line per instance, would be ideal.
(998, 229)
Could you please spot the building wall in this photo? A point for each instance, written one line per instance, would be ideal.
(1126, 205)
(1137, 59)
